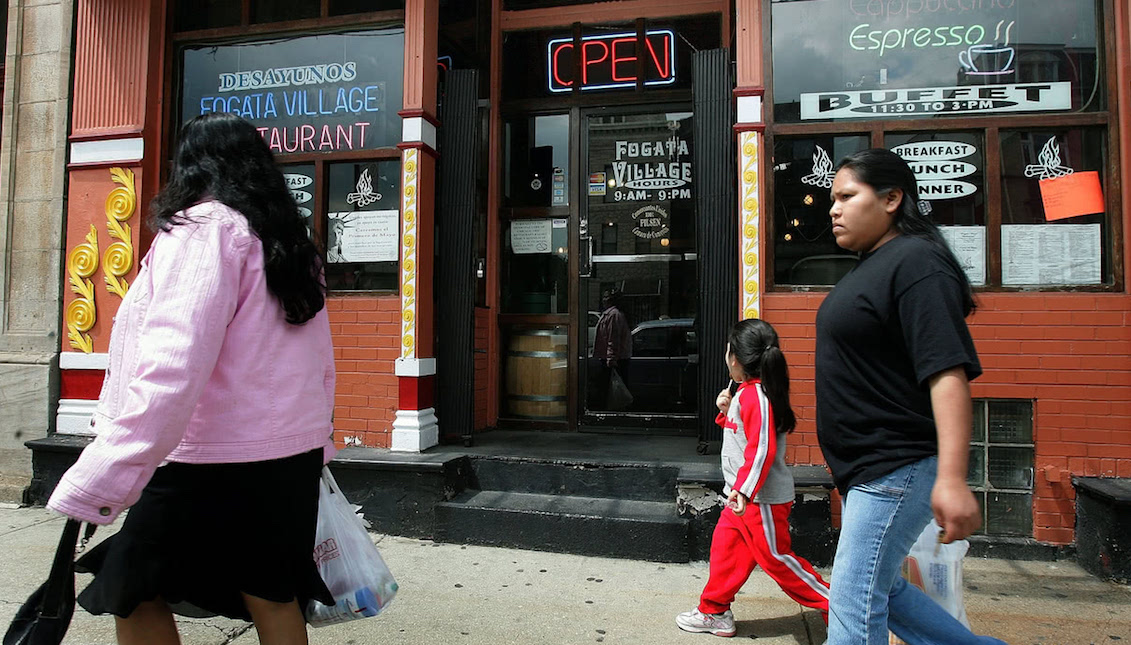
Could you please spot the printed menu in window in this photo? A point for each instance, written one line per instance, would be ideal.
(1050, 254)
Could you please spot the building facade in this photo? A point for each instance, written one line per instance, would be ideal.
(502, 186)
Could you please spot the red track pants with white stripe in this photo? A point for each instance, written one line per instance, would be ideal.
(760, 537)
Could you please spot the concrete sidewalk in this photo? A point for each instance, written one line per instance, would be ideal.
(490, 596)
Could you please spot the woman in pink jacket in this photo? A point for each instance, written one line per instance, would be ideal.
(214, 418)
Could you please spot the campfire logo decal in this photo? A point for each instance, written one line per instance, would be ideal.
(822, 175)
(364, 195)
(1049, 166)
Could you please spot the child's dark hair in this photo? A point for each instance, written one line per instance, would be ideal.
(755, 344)
(885, 171)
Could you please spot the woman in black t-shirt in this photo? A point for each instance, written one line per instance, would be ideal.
(893, 364)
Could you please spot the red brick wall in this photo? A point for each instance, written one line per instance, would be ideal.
(366, 332)
(1070, 353)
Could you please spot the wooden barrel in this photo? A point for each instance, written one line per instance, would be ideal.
(537, 375)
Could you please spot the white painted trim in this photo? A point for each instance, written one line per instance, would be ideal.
(415, 430)
(81, 361)
(74, 416)
(415, 367)
(749, 109)
(108, 151)
(416, 128)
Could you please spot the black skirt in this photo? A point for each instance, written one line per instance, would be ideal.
(202, 534)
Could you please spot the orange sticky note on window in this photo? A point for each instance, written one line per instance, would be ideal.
(1072, 195)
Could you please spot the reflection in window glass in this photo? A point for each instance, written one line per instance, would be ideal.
(281, 10)
(342, 7)
(950, 170)
(363, 226)
(206, 14)
(522, 78)
(693, 34)
(837, 59)
(351, 102)
(537, 161)
(1069, 244)
(535, 259)
(805, 251)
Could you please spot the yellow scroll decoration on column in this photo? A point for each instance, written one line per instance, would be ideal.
(408, 254)
(82, 262)
(121, 204)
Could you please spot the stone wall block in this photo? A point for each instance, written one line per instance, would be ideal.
(37, 127)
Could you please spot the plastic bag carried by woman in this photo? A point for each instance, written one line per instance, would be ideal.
(348, 561)
(936, 568)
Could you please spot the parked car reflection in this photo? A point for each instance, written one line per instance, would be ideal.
(663, 372)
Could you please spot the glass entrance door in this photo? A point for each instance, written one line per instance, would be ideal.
(637, 289)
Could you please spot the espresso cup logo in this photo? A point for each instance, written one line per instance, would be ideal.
(987, 59)
(990, 59)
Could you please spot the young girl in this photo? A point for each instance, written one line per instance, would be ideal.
(753, 529)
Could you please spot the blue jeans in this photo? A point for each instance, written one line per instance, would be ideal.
(880, 522)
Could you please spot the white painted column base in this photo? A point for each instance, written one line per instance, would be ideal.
(74, 416)
(415, 430)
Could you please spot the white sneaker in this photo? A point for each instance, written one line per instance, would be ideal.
(698, 622)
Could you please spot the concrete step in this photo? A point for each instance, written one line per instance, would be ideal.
(598, 526)
(641, 482)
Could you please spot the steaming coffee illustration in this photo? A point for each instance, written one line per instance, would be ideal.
(989, 59)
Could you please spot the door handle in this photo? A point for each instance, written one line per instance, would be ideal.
(585, 262)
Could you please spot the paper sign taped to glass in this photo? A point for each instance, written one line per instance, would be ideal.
(363, 236)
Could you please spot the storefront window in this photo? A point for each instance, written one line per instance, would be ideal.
(894, 70)
(363, 226)
(300, 179)
(535, 263)
(344, 7)
(805, 251)
(537, 161)
(313, 94)
(1051, 236)
(950, 170)
(197, 15)
(314, 98)
(619, 56)
(206, 14)
(848, 59)
(280, 10)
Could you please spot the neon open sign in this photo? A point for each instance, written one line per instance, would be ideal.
(611, 60)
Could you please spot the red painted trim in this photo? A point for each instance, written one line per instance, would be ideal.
(410, 114)
(415, 393)
(750, 127)
(421, 146)
(80, 384)
(750, 91)
(107, 135)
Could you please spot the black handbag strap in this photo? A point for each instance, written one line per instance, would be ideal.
(63, 568)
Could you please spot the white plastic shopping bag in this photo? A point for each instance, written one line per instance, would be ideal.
(936, 568)
(348, 561)
(619, 395)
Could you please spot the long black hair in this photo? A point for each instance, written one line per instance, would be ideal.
(885, 171)
(223, 157)
(755, 344)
